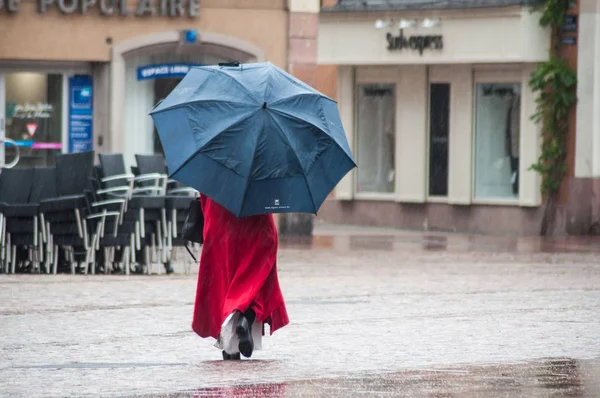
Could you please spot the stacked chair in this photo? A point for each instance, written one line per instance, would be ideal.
(144, 216)
(177, 198)
(70, 219)
(19, 220)
(79, 217)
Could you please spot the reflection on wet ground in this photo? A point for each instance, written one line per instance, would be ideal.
(329, 237)
(557, 377)
(373, 313)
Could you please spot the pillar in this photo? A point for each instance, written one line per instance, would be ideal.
(303, 29)
(583, 182)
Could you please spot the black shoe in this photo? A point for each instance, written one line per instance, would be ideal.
(244, 332)
(231, 357)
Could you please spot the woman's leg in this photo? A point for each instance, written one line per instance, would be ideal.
(244, 332)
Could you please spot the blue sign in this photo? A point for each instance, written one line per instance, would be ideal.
(158, 71)
(81, 114)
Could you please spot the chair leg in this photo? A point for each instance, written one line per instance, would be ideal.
(154, 253)
(125, 259)
(142, 224)
(148, 260)
(174, 222)
(14, 258)
(71, 259)
(132, 253)
(93, 257)
(31, 258)
(137, 235)
(106, 259)
(55, 259)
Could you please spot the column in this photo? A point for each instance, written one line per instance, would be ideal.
(583, 207)
(302, 63)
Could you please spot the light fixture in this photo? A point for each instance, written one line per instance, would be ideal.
(406, 23)
(430, 23)
(190, 36)
(380, 24)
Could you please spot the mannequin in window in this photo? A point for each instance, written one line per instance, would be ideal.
(513, 133)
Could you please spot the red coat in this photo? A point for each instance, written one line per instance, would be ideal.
(238, 268)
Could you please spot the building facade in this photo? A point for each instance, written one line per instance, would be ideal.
(79, 75)
(579, 211)
(435, 100)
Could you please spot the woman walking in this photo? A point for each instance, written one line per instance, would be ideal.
(238, 289)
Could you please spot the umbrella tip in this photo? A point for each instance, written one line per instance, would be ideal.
(265, 105)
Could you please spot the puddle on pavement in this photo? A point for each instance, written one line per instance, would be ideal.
(559, 377)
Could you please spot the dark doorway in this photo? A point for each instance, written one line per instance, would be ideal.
(439, 126)
(162, 88)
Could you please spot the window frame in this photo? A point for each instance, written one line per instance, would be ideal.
(485, 75)
(375, 75)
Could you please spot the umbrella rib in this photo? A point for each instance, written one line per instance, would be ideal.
(286, 114)
(249, 175)
(181, 105)
(300, 119)
(296, 156)
(281, 100)
(237, 81)
(197, 151)
(297, 82)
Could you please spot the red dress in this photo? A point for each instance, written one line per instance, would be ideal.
(238, 269)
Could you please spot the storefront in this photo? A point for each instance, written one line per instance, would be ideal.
(81, 75)
(437, 106)
(35, 109)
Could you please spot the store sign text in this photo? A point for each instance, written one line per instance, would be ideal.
(420, 43)
(144, 8)
(33, 111)
(163, 71)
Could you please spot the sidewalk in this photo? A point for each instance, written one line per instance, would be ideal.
(372, 312)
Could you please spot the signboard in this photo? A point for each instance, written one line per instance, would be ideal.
(38, 145)
(570, 24)
(419, 43)
(568, 40)
(141, 8)
(80, 114)
(158, 71)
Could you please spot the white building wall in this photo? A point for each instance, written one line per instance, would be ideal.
(587, 143)
(469, 37)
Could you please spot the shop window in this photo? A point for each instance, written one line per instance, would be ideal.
(439, 128)
(376, 121)
(34, 116)
(497, 135)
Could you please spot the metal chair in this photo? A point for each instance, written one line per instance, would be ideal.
(145, 207)
(178, 198)
(65, 216)
(19, 219)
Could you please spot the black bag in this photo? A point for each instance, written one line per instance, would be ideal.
(193, 227)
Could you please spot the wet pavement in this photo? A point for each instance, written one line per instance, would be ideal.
(373, 313)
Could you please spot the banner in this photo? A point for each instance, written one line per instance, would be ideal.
(80, 114)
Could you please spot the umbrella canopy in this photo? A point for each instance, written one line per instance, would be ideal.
(253, 138)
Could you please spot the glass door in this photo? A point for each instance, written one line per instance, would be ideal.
(33, 117)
